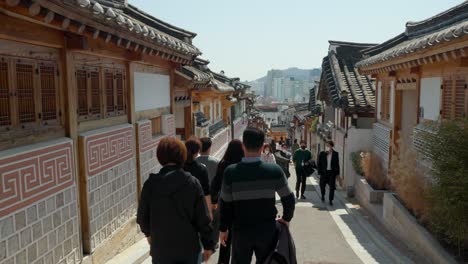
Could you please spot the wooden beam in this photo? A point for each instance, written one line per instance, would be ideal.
(65, 23)
(81, 29)
(464, 62)
(392, 74)
(108, 38)
(20, 30)
(13, 3)
(49, 17)
(34, 9)
(445, 56)
(76, 42)
(96, 33)
(415, 70)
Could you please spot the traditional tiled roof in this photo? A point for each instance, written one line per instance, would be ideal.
(221, 86)
(196, 73)
(447, 26)
(128, 26)
(302, 111)
(339, 75)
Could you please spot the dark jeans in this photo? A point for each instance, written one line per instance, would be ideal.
(301, 181)
(255, 239)
(330, 179)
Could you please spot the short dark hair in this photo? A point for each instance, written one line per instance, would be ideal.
(193, 146)
(295, 140)
(253, 139)
(331, 143)
(206, 143)
(171, 150)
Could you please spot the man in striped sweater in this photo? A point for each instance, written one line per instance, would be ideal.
(248, 202)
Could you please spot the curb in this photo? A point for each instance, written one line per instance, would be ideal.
(375, 236)
(135, 254)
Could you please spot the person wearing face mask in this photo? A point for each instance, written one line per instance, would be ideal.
(267, 155)
(328, 169)
(301, 156)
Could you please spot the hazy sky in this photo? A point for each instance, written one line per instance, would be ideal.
(245, 38)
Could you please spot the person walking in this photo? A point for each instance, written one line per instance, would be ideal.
(197, 169)
(206, 159)
(172, 206)
(211, 164)
(234, 154)
(294, 147)
(267, 155)
(248, 202)
(301, 156)
(328, 169)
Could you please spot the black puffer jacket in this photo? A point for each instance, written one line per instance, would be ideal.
(173, 212)
(200, 172)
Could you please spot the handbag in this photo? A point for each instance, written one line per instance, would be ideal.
(309, 167)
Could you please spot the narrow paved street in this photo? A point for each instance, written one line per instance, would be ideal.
(334, 234)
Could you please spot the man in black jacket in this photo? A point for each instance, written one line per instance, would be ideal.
(248, 202)
(328, 169)
(173, 213)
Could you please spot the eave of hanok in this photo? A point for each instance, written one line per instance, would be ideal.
(455, 50)
(91, 23)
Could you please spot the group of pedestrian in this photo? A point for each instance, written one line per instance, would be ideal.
(327, 166)
(196, 201)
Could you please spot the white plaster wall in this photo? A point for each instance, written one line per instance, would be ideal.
(430, 97)
(358, 139)
(151, 91)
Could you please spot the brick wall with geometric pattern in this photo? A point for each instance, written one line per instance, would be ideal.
(110, 173)
(38, 205)
(147, 146)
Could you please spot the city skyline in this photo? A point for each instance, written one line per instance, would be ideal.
(247, 42)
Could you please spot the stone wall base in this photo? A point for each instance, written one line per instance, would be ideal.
(128, 235)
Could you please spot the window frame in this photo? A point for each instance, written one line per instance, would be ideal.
(451, 92)
(38, 101)
(119, 103)
(385, 102)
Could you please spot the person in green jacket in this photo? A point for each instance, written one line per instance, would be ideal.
(301, 156)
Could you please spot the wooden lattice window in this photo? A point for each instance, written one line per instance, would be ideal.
(385, 102)
(49, 97)
(25, 92)
(95, 91)
(29, 93)
(89, 93)
(82, 92)
(101, 92)
(120, 91)
(460, 88)
(5, 111)
(110, 92)
(454, 97)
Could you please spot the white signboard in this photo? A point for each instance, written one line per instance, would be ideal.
(430, 98)
(151, 91)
